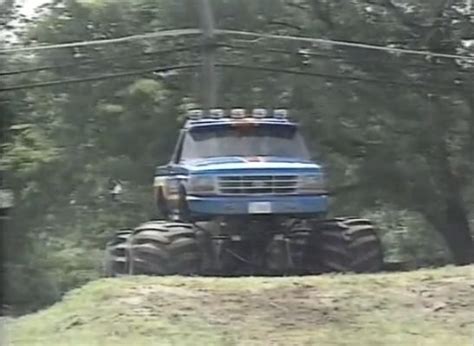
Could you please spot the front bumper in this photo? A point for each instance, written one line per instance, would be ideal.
(232, 205)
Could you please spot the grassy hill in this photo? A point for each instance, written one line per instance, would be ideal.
(426, 307)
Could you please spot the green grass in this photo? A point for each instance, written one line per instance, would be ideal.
(426, 307)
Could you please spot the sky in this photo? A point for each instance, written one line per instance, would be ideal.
(29, 6)
(28, 9)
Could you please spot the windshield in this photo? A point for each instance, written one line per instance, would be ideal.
(268, 140)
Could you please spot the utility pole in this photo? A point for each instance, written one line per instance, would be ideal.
(208, 73)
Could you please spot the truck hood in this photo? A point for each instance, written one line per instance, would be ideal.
(251, 164)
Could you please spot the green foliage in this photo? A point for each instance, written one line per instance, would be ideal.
(425, 307)
(29, 150)
(407, 238)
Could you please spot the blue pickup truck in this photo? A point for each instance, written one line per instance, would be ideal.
(245, 167)
(241, 195)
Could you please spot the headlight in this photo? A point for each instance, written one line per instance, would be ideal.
(313, 183)
(199, 184)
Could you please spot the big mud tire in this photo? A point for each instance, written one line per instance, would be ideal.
(164, 248)
(115, 258)
(349, 245)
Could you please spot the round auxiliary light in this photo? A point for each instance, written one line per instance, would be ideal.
(195, 114)
(216, 113)
(237, 113)
(280, 113)
(259, 113)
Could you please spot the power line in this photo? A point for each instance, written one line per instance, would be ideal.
(97, 78)
(236, 66)
(305, 53)
(224, 45)
(90, 60)
(337, 77)
(184, 32)
(348, 59)
(164, 33)
(345, 44)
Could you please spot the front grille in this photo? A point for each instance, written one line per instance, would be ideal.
(257, 184)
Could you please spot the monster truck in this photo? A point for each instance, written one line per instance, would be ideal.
(241, 196)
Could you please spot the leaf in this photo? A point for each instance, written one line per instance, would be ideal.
(21, 127)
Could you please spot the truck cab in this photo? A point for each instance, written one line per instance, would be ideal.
(240, 163)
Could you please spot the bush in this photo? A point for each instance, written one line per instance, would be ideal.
(407, 238)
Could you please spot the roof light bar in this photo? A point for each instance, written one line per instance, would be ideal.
(216, 113)
(195, 114)
(237, 113)
(280, 113)
(259, 113)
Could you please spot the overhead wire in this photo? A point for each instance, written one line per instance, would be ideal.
(235, 66)
(224, 65)
(95, 60)
(339, 77)
(97, 78)
(164, 33)
(302, 53)
(344, 44)
(183, 32)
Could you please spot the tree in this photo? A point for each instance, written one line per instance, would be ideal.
(425, 131)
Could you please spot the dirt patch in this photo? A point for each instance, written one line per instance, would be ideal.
(139, 296)
(386, 309)
(278, 308)
(301, 306)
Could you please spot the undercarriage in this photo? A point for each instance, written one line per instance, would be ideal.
(241, 246)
